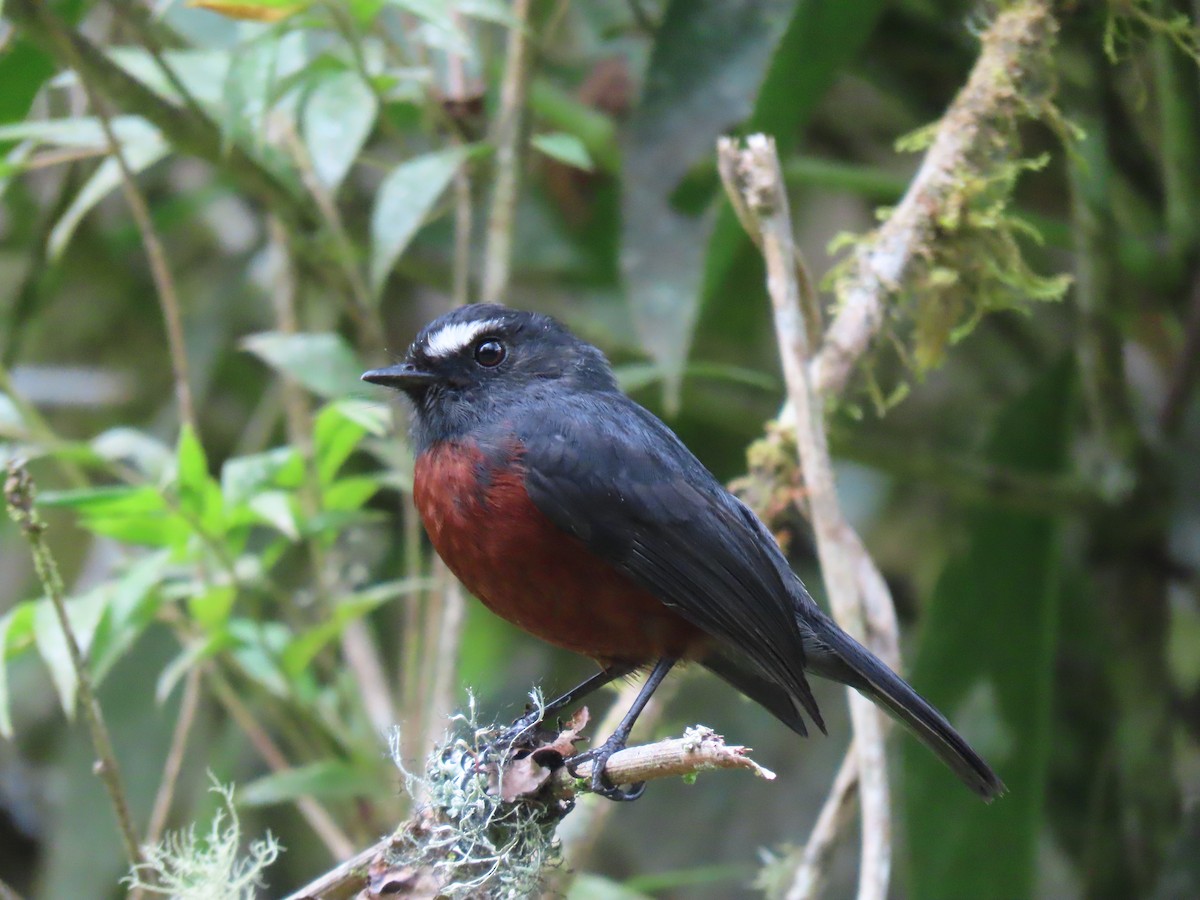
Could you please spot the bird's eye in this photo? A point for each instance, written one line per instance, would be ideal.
(489, 353)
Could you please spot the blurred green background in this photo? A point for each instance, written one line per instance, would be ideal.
(321, 178)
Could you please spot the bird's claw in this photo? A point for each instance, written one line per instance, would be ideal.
(599, 782)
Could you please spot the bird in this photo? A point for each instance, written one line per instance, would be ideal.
(575, 513)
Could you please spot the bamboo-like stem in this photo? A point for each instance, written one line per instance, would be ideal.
(755, 174)
(19, 498)
(188, 707)
(811, 872)
(509, 132)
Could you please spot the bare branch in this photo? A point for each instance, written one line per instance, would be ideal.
(759, 180)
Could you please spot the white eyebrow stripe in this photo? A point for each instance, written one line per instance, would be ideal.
(450, 339)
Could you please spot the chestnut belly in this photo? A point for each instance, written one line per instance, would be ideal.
(528, 571)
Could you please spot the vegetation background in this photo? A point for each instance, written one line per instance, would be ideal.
(312, 181)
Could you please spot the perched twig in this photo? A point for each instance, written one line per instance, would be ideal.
(700, 749)
(964, 147)
(19, 497)
(509, 131)
(755, 174)
(580, 831)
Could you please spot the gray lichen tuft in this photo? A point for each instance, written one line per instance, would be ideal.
(467, 841)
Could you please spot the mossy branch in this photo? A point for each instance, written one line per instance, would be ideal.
(949, 244)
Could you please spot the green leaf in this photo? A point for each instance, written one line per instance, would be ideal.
(191, 475)
(202, 72)
(211, 608)
(348, 494)
(84, 614)
(326, 779)
(277, 508)
(338, 119)
(261, 65)
(403, 201)
(566, 148)
(338, 429)
(244, 476)
(134, 449)
(304, 647)
(139, 154)
(323, 363)
(16, 633)
(82, 132)
(706, 66)
(586, 886)
(191, 655)
(136, 515)
(986, 659)
(130, 605)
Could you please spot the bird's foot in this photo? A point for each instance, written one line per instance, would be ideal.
(600, 784)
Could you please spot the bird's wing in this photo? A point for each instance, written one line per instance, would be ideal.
(608, 472)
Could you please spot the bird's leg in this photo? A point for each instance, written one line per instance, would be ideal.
(599, 755)
(595, 682)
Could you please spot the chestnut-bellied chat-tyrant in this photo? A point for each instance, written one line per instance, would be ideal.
(576, 514)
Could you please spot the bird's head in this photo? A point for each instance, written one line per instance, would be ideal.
(476, 362)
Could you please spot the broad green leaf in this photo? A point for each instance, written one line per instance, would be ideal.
(705, 69)
(130, 605)
(84, 614)
(586, 886)
(821, 40)
(11, 424)
(262, 65)
(134, 449)
(202, 72)
(303, 648)
(436, 27)
(986, 659)
(16, 633)
(137, 515)
(244, 476)
(82, 132)
(323, 363)
(139, 154)
(258, 647)
(348, 494)
(327, 779)
(191, 474)
(337, 432)
(338, 118)
(403, 202)
(278, 509)
(189, 657)
(212, 607)
(566, 148)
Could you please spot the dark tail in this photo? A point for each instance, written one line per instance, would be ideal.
(837, 656)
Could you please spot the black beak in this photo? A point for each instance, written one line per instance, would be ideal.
(403, 377)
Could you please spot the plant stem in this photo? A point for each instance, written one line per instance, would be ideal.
(509, 133)
(19, 496)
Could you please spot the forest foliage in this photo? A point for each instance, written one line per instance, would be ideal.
(216, 216)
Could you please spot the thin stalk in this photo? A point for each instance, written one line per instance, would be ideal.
(19, 495)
